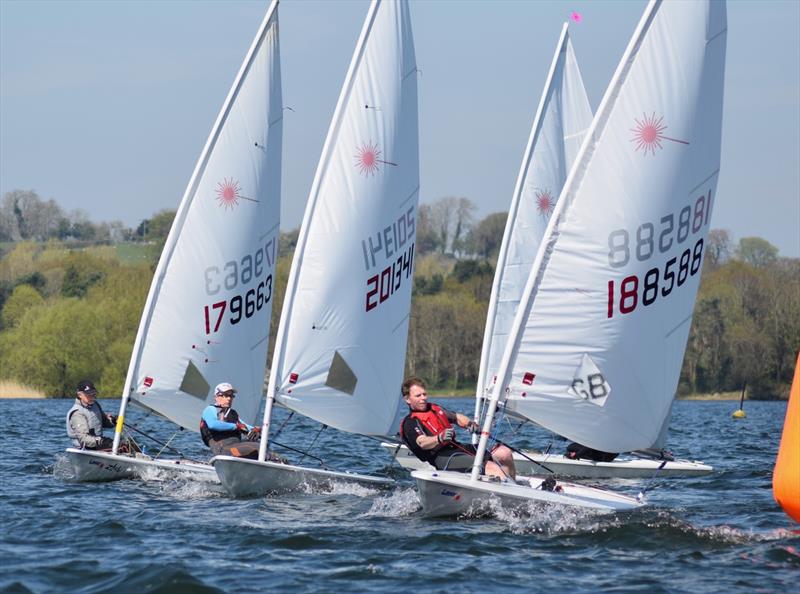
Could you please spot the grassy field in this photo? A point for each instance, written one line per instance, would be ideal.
(10, 389)
(136, 253)
(714, 396)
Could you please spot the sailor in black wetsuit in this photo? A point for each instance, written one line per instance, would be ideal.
(429, 432)
(576, 451)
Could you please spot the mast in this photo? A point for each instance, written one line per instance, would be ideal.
(180, 219)
(550, 236)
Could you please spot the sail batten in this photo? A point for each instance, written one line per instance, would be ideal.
(599, 337)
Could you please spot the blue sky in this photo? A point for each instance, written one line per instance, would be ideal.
(105, 106)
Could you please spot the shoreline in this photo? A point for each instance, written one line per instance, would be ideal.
(435, 394)
(713, 396)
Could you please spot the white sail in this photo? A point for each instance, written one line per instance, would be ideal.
(598, 342)
(207, 315)
(341, 343)
(561, 121)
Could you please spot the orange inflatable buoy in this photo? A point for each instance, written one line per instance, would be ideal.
(786, 478)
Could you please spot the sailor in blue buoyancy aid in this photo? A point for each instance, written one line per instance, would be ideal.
(86, 420)
(225, 433)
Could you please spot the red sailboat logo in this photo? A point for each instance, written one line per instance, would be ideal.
(544, 203)
(228, 194)
(649, 133)
(367, 158)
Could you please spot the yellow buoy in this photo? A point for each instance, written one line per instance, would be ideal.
(786, 478)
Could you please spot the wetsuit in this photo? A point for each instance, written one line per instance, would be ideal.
(577, 451)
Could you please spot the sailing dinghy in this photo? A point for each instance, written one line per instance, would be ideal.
(561, 121)
(207, 315)
(535, 462)
(596, 347)
(341, 342)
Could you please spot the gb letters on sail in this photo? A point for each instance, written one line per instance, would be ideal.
(561, 120)
(597, 345)
(342, 338)
(207, 315)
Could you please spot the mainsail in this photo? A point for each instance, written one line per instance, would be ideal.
(598, 342)
(341, 342)
(207, 315)
(561, 120)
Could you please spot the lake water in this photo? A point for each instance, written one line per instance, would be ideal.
(720, 533)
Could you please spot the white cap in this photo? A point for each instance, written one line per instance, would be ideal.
(224, 387)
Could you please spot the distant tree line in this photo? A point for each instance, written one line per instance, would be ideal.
(68, 314)
(746, 325)
(24, 216)
(70, 310)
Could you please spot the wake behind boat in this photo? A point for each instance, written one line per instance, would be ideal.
(341, 342)
(207, 315)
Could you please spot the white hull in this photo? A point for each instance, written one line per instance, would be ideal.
(444, 493)
(242, 477)
(562, 466)
(90, 466)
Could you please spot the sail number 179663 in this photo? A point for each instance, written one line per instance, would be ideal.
(240, 306)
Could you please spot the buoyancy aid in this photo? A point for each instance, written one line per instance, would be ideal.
(207, 434)
(433, 421)
(94, 419)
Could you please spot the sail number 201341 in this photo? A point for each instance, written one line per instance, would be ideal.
(658, 282)
(390, 249)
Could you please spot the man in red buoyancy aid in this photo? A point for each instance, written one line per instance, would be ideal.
(429, 431)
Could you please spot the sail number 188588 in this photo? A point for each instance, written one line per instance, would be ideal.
(633, 290)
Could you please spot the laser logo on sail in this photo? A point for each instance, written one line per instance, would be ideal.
(544, 203)
(368, 156)
(649, 133)
(228, 194)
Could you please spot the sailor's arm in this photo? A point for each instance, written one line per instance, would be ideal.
(428, 442)
(210, 417)
(462, 420)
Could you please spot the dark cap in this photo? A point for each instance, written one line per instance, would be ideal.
(86, 387)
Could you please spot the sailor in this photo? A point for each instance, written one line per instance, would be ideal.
(428, 430)
(576, 451)
(86, 420)
(225, 433)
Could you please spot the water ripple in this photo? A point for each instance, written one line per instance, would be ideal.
(719, 533)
